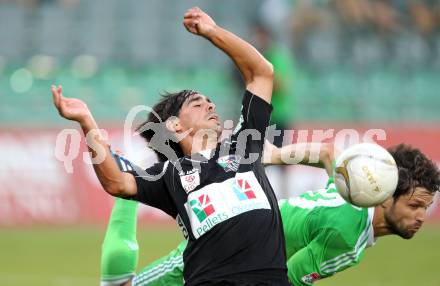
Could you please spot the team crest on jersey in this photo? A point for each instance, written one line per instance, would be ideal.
(310, 278)
(190, 181)
(229, 163)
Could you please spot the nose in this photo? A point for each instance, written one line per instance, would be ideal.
(421, 216)
(211, 106)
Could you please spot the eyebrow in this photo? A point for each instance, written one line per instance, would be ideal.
(197, 98)
(422, 202)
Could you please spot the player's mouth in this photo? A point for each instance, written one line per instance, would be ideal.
(415, 227)
(213, 116)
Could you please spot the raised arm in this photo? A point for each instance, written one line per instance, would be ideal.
(257, 72)
(310, 151)
(113, 181)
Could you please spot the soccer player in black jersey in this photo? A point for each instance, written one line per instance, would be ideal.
(217, 191)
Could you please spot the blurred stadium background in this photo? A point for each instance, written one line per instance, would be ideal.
(357, 64)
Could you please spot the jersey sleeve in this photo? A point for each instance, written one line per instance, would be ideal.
(326, 255)
(165, 271)
(255, 114)
(151, 187)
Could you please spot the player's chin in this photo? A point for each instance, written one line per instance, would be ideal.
(214, 125)
(208, 127)
(408, 233)
(218, 128)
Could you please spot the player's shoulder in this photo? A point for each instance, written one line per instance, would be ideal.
(323, 200)
(347, 223)
(345, 217)
(324, 210)
(345, 211)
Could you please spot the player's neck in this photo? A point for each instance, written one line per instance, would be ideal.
(380, 225)
(191, 145)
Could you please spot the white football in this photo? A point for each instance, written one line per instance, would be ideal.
(366, 175)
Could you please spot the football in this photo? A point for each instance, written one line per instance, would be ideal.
(365, 174)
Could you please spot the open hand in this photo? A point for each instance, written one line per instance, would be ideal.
(70, 108)
(198, 22)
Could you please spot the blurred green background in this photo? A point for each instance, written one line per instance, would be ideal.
(70, 256)
(350, 61)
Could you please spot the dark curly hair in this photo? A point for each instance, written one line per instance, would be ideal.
(415, 170)
(169, 106)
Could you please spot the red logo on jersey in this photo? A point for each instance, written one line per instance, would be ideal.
(202, 207)
(190, 181)
(243, 190)
(190, 178)
(310, 278)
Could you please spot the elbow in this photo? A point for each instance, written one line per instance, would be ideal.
(266, 70)
(271, 72)
(115, 189)
(263, 71)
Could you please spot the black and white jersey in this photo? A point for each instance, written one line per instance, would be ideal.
(225, 206)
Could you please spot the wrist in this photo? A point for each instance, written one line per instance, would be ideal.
(87, 123)
(212, 32)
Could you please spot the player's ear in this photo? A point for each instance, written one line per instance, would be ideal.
(173, 124)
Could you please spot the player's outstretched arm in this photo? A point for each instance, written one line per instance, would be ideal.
(112, 179)
(312, 154)
(257, 72)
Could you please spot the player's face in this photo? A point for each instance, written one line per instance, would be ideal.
(198, 113)
(406, 215)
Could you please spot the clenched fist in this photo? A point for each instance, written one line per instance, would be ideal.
(198, 22)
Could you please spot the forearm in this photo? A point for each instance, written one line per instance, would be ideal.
(319, 155)
(114, 182)
(311, 154)
(248, 60)
(257, 72)
(106, 169)
(300, 153)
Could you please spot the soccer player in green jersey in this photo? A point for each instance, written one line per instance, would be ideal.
(324, 234)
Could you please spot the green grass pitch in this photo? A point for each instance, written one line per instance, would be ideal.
(70, 256)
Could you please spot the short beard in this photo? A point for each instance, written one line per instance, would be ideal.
(395, 229)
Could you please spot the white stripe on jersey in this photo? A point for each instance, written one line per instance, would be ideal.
(336, 263)
(158, 271)
(332, 268)
(118, 280)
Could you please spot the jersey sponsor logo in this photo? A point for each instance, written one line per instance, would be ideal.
(243, 190)
(229, 163)
(190, 181)
(218, 202)
(310, 278)
(202, 207)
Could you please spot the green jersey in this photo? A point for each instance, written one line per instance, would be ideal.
(166, 271)
(324, 234)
